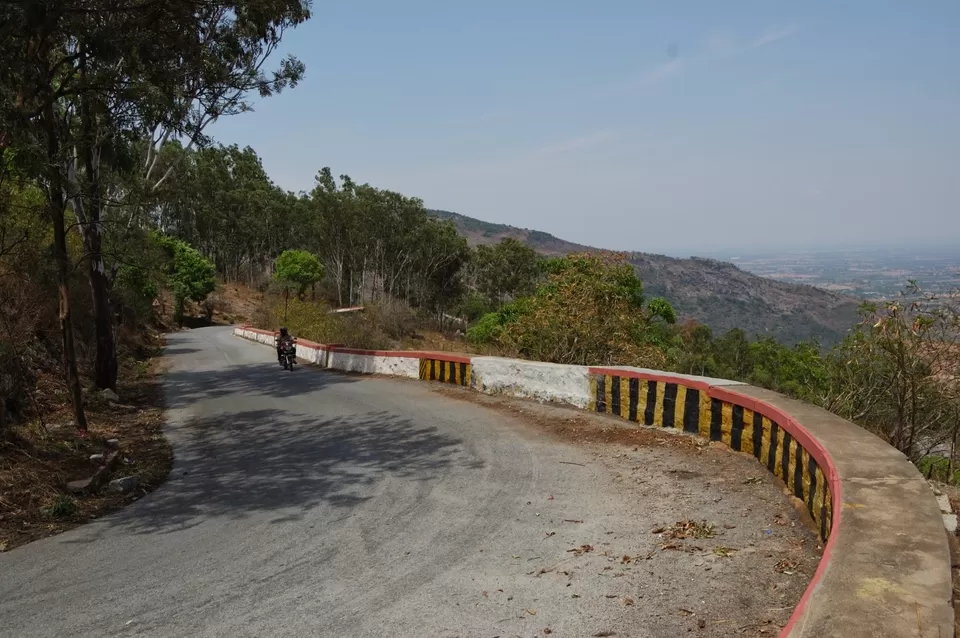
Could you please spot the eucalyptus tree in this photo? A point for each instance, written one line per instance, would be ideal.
(93, 90)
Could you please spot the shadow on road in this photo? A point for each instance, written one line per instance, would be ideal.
(183, 388)
(253, 453)
(176, 350)
(245, 463)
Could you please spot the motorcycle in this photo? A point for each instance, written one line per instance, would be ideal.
(288, 356)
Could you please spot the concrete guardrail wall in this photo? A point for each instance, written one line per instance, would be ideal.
(886, 565)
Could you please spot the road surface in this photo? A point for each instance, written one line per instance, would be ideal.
(318, 504)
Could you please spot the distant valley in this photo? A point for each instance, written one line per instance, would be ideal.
(875, 274)
(713, 292)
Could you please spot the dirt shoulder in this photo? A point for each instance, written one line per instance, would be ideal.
(729, 553)
(44, 455)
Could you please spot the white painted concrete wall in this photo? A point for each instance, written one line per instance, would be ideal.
(254, 336)
(398, 366)
(491, 375)
(532, 379)
(373, 364)
(315, 356)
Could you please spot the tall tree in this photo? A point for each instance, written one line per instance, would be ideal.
(507, 270)
(99, 84)
(31, 37)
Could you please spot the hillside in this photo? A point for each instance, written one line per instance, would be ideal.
(713, 292)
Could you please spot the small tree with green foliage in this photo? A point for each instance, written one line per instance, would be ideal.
(191, 276)
(506, 270)
(659, 308)
(297, 270)
(659, 331)
(135, 289)
(489, 329)
(589, 312)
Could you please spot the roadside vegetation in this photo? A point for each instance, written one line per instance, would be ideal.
(103, 114)
(120, 219)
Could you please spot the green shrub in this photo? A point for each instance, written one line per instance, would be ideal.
(589, 312)
(63, 506)
(192, 276)
(473, 306)
(660, 308)
(136, 289)
(487, 330)
(938, 468)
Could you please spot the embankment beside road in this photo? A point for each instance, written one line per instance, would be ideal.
(886, 566)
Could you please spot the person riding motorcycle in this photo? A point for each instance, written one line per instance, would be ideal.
(284, 340)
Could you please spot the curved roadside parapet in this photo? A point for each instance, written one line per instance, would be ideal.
(885, 569)
(886, 566)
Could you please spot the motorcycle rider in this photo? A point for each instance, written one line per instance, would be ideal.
(283, 341)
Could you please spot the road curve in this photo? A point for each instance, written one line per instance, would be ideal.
(318, 504)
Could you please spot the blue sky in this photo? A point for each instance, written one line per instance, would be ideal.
(677, 127)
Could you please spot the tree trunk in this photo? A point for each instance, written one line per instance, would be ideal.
(105, 371)
(57, 210)
(3, 417)
(90, 215)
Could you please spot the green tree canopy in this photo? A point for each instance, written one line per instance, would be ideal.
(660, 308)
(191, 276)
(506, 270)
(298, 269)
(90, 93)
(589, 311)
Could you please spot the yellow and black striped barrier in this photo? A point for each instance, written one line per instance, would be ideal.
(455, 371)
(669, 404)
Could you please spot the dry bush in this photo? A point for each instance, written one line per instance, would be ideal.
(359, 331)
(263, 317)
(896, 374)
(306, 319)
(392, 317)
(588, 312)
(379, 326)
(29, 327)
(214, 304)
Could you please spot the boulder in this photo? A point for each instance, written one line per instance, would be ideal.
(78, 487)
(124, 484)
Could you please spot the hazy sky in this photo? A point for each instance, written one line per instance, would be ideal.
(673, 126)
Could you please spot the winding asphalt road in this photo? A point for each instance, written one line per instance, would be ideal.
(318, 504)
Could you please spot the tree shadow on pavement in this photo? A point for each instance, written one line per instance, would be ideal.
(248, 463)
(241, 450)
(179, 350)
(183, 388)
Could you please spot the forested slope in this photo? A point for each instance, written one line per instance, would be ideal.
(713, 292)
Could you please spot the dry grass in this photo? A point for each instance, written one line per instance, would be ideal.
(238, 303)
(434, 341)
(40, 457)
(691, 529)
(235, 303)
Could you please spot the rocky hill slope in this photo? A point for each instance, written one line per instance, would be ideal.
(713, 292)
